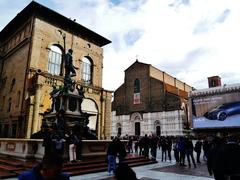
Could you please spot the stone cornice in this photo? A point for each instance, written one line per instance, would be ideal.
(215, 90)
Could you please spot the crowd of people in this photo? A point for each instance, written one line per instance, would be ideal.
(222, 155)
(55, 141)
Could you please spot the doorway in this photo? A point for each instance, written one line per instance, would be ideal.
(119, 131)
(137, 129)
(158, 131)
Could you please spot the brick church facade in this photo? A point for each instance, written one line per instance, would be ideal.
(150, 101)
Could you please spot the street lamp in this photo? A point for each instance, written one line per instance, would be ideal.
(64, 50)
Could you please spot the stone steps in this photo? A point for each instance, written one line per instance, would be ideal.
(6, 174)
(10, 167)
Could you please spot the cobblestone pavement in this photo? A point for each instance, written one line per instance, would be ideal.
(159, 171)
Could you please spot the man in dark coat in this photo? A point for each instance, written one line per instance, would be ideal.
(153, 145)
(198, 149)
(215, 161)
(182, 150)
(231, 154)
(121, 150)
(50, 168)
(189, 152)
(111, 156)
(146, 143)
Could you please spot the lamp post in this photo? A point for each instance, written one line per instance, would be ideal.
(64, 50)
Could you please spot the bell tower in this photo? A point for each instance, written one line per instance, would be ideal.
(214, 81)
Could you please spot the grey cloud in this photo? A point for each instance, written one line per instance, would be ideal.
(190, 58)
(185, 65)
(115, 2)
(116, 44)
(201, 83)
(208, 24)
(177, 3)
(195, 53)
(223, 16)
(132, 5)
(202, 27)
(230, 77)
(132, 36)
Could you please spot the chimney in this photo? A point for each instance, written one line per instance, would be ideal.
(214, 81)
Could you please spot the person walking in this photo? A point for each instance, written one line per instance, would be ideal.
(176, 151)
(164, 148)
(72, 141)
(141, 143)
(198, 149)
(47, 140)
(58, 142)
(146, 143)
(136, 144)
(189, 152)
(182, 150)
(215, 161)
(206, 147)
(121, 150)
(129, 145)
(153, 145)
(169, 148)
(231, 155)
(111, 156)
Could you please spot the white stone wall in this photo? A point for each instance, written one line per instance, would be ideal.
(170, 122)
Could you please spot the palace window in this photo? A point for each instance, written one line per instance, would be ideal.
(54, 60)
(12, 84)
(9, 104)
(18, 98)
(2, 103)
(86, 70)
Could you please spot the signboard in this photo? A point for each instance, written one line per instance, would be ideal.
(136, 98)
(216, 111)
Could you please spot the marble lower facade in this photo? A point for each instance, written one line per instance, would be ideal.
(166, 123)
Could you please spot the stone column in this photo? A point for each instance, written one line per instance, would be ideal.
(35, 126)
(29, 118)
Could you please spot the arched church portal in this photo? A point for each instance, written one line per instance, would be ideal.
(136, 119)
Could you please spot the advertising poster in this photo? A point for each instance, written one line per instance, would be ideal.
(216, 111)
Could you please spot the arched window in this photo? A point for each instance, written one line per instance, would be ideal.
(54, 60)
(137, 86)
(86, 70)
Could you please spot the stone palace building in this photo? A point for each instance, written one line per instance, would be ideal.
(32, 46)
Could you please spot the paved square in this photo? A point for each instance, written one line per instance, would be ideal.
(201, 170)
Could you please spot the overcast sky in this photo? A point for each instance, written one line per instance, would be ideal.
(189, 39)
